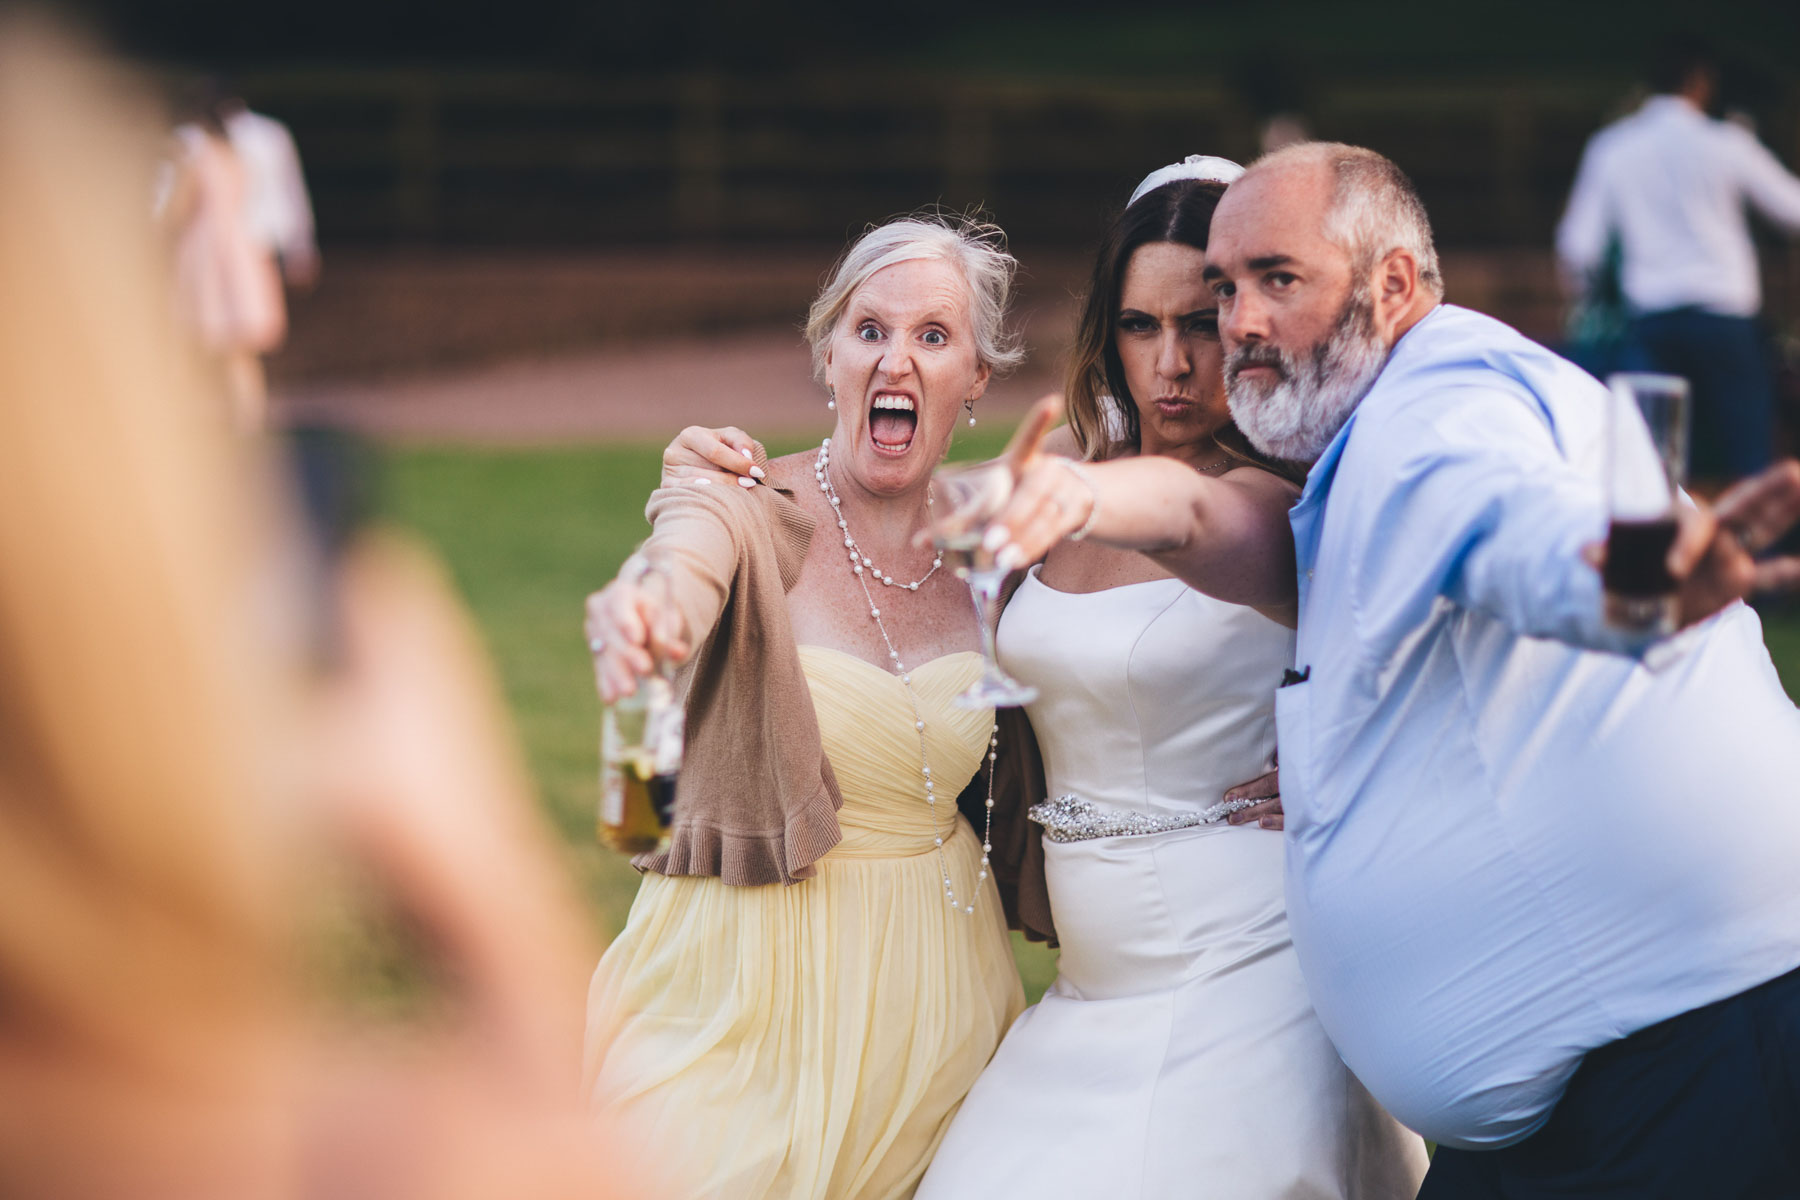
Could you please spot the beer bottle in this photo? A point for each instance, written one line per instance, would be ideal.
(641, 740)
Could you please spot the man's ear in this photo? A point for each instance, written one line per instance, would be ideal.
(1395, 286)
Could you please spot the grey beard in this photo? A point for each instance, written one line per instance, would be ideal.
(1297, 416)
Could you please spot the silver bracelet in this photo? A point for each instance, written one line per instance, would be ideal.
(1080, 472)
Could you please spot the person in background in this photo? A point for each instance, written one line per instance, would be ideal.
(227, 285)
(276, 204)
(1277, 95)
(1672, 187)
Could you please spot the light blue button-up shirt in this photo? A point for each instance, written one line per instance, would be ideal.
(1505, 845)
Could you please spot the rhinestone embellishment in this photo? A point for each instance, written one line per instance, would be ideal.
(1072, 819)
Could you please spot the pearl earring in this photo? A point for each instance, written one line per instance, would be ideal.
(832, 402)
(970, 405)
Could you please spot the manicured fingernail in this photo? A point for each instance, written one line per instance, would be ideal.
(1009, 558)
(747, 455)
(996, 537)
(746, 481)
(702, 482)
(758, 473)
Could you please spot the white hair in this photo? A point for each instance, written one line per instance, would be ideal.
(976, 248)
(1374, 208)
(1296, 416)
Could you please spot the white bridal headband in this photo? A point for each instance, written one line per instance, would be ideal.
(1205, 167)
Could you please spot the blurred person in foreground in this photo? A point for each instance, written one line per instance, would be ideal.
(816, 967)
(1672, 188)
(1521, 916)
(177, 767)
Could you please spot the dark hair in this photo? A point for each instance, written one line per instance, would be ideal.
(1677, 58)
(1101, 411)
(1177, 212)
(203, 100)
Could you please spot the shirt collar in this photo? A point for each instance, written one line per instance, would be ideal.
(1667, 103)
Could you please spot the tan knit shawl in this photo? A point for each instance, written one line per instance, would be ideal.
(756, 802)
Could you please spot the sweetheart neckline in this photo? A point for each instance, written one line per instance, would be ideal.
(1117, 587)
(845, 654)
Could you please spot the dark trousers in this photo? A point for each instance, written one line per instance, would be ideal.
(1703, 1106)
(1727, 363)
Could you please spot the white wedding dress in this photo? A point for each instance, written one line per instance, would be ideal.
(1176, 1054)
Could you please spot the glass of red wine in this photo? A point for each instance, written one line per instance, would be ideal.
(1646, 463)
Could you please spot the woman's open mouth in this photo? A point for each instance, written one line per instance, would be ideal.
(893, 419)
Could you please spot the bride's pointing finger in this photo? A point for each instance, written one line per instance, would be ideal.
(1049, 504)
(1028, 440)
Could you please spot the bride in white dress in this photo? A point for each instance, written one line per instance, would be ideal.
(1177, 1053)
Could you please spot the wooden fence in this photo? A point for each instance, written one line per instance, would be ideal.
(508, 158)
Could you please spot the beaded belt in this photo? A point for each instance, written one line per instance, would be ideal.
(1072, 819)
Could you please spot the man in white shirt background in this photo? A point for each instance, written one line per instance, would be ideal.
(1674, 187)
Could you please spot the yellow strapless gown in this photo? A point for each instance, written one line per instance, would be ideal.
(814, 1040)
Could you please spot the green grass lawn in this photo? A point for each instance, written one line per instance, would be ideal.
(527, 534)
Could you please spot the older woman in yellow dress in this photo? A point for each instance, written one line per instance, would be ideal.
(816, 966)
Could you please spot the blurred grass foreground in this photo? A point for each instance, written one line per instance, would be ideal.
(528, 533)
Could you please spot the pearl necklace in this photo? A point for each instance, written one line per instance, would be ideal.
(857, 563)
(859, 560)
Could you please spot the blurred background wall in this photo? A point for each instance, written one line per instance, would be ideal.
(589, 224)
(653, 168)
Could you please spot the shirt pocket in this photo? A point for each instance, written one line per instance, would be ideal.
(1293, 742)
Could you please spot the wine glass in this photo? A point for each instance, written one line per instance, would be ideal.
(1647, 434)
(971, 497)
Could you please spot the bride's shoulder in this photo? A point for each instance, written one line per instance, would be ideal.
(1061, 442)
(1261, 478)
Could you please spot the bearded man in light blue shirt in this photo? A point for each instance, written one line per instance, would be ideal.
(1515, 839)
(1543, 879)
